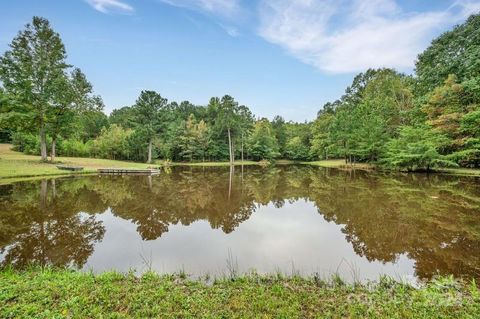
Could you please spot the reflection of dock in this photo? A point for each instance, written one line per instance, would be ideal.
(129, 171)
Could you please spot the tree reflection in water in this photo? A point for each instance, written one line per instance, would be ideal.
(41, 223)
(433, 219)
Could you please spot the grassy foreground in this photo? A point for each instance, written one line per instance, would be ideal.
(48, 293)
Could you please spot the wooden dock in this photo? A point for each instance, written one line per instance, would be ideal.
(129, 171)
(70, 168)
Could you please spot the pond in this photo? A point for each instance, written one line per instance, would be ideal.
(217, 221)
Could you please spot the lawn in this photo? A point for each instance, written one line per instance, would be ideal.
(49, 293)
(15, 164)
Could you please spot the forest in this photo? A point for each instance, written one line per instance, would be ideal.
(418, 121)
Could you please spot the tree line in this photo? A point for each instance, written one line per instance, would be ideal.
(420, 121)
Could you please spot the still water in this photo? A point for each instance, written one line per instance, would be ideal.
(211, 220)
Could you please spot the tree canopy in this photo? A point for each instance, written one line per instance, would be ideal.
(420, 121)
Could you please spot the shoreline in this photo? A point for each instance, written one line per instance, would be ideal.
(49, 292)
(15, 165)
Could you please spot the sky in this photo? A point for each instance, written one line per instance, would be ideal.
(278, 57)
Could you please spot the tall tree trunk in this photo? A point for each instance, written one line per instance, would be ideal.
(149, 159)
(52, 154)
(43, 143)
(230, 147)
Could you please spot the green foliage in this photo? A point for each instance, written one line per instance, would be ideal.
(112, 143)
(26, 142)
(454, 52)
(262, 143)
(88, 124)
(375, 116)
(76, 148)
(469, 156)
(148, 113)
(123, 117)
(369, 134)
(227, 116)
(416, 148)
(441, 105)
(471, 124)
(32, 70)
(280, 131)
(445, 108)
(321, 144)
(360, 125)
(7, 118)
(195, 140)
(295, 149)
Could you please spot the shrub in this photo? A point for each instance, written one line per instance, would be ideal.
(74, 147)
(112, 143)
(416, 148)
(26, 143)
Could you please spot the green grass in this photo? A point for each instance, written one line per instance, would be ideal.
(49, 293)
(340, 163)
(16, 164)
(327, 163)
(461, 171)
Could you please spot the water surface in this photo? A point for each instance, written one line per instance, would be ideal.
(212, 220)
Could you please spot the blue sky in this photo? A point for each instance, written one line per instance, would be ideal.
(276, 56)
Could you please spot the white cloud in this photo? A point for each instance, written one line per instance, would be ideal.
(106, 6)
(231, 31)
(222, 7)
(223, 10)
(351, 36)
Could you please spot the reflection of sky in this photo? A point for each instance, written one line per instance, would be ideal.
(2, 255)
(292, 238)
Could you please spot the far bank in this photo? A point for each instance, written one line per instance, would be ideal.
(15, 165)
